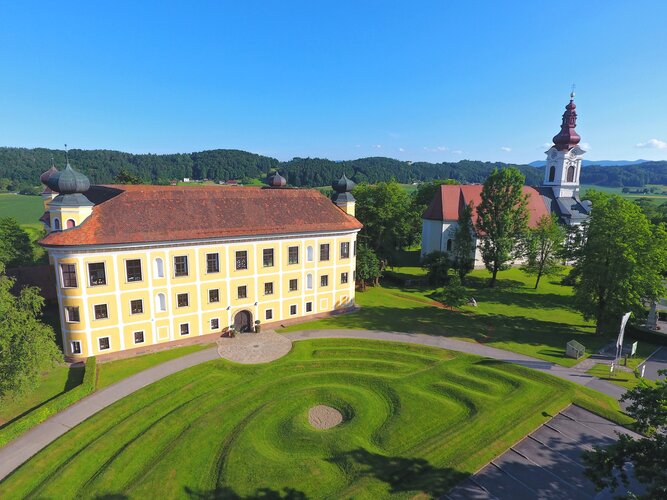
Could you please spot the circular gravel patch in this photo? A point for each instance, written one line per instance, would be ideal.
(324, 417)
(253, 348)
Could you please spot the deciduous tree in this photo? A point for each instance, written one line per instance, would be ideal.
(502, 219)
(368, 266)
(437, 266)
(15, 246)
(543, 246)
(463, 251)
(621, 263)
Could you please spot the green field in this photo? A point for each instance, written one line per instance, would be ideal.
(512, 316)
(416, 419)
(656, 197)
(25, 209)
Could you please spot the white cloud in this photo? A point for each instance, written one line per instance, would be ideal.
(437, 149)
(585, 146)
(506, 149)
(652, 144)
(457, 152)
(401, 149)
(377, 146)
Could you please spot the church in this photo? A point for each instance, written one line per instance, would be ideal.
(558, 194)
(142, 266)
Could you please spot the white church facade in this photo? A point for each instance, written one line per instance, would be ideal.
(558, 194)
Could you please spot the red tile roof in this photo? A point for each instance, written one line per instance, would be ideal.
(449, 200)
(138, 214)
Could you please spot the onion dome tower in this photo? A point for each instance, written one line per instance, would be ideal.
(71, 207)
(343, 195)
(276, 180)
(563, 166)
(47, 194)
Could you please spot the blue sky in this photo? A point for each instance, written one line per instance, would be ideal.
(434, 81)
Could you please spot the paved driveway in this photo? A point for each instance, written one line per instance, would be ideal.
(657, 361)
(546, 464)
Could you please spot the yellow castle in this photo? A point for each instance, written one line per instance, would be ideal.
(142, 265)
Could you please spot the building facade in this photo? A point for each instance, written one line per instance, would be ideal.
(558, 194)
(149, 265)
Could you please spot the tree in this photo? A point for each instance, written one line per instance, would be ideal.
(543, 245)
(390, 222)
(502, 219)
(15, 246)
(648, 455)
(26, 344)
(425, 192)
(368, 266)
(437, 265)
(454, 294)
(621, 262)
(463, 251)
(125, 177)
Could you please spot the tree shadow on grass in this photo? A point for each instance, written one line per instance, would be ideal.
(401, 474)
(225, 492)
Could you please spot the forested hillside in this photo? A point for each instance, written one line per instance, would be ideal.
(20, 168)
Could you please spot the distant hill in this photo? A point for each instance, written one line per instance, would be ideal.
(23, 166)
(601, 163)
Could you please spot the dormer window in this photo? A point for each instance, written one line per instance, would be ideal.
(70, 223)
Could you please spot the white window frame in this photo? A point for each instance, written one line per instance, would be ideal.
(296, 310)
(217, 254)
(143, 336)
(71, 347)
(161, 305)
(309, 253)
(266, 314)
(187, 266)
(159, 267)
(208, 294)
(180, 331)
(62, 279)
(141, 265)
(105, 274)
(99, 346)
(67, 318)
(94, 314)
(309, 303)
(143, 309)
(183, 293)
(210, 323)
(309, 281)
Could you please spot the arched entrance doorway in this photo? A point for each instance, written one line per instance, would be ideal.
(243, 321)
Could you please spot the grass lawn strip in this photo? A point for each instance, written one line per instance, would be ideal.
(416, 419)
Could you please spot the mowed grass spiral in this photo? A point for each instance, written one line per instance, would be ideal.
(416, 419)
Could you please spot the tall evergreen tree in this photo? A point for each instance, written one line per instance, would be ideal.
(463, 251)
(621, 262)
(502, 219)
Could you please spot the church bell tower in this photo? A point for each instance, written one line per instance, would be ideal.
(563, 166)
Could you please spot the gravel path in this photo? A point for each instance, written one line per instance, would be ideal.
(324, 417)
(253, 348)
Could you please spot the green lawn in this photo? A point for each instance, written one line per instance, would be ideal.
(53, 382)
(512, 316)
(25, 209)
(620, 377)
(113, 371)
(416, 419)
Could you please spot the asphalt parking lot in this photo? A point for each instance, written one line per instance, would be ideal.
(546, 464)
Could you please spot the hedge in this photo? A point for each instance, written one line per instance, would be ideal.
(642, 334)
(56, 405)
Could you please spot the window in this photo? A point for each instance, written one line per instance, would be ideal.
(136, 306)
(293, 285)
(70, 223)
(309, 254)
(242, 292)
(68, 272)
(268, 288)
(161, 302)
(212, 263)
(180, 266)
(101, 311)
(75, 347)
(241, 260)
(324, 251)
(570, 174)
(133, 270)
(139, 337)
(293, 255)
(449, 244)
(309, 281)
(324, 280)
(309, 307)
(56, 224)
(214, 295)
(104, 343)
(159, 268)
(268, 314)
(267, 257)
(345, 250)
(97, 274)
(343, 278)
(72, 314)
(355, 248)
(182, 300)
(552, 174)
(292, 310)
(185, 328)
(215, 323)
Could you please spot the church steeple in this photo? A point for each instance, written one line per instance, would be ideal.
(563, 167)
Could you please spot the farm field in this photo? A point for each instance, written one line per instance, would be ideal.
(25, 209)
(657, 198)
(513, 316)
(416, 419)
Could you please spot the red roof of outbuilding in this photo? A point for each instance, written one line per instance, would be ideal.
(138, 214)
(450, 200)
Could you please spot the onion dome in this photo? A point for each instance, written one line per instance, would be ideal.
(568, 138)
(45, 176)
(68, 181)
(343, 185)
(276, 181)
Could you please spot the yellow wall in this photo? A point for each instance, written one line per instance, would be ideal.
(162, 326)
